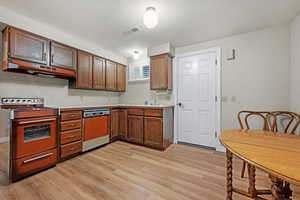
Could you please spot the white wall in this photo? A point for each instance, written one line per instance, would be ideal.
(9, 17)
(295, 65)
(258, 79)
(55, 91)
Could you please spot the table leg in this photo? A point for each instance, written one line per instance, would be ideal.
(276, 188)
(251, 173)
(229, 174)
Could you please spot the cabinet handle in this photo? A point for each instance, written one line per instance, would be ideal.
(52, 58)
(37, 121)
(44, 56)
(37, 158)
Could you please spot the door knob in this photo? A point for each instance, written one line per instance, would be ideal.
(179, 104)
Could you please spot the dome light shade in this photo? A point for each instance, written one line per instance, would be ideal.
(150, 18)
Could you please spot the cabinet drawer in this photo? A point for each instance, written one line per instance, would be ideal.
(68, 125)
(153, 112)
(70, 136)
(70, 149)
(65, 116)
(33, 163)
(135, 111)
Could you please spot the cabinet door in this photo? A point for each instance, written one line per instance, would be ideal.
(84, 70)
(114, 124)
(63, 56)
(111, 75)
(135, 129)
(123, 123)
(121, 78)
(28, 47)
(153, 132)
(99, 73)
(161, 72)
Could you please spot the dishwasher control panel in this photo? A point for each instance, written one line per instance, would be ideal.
(96, 112)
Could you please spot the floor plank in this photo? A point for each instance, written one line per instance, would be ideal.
(130, 172)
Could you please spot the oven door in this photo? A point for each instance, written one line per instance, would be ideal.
(34, 135)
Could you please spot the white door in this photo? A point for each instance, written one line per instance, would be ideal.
(196, 99)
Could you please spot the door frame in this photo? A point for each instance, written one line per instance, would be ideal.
(217, 113)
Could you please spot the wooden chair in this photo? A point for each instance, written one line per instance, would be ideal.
(286, 122)
(266, 119)
(267, 122)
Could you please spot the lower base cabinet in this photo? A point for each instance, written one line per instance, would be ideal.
(153, 132)
(135, 129)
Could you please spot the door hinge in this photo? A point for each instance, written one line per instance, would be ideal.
(216, 134)
(216, 62)
(216, 99)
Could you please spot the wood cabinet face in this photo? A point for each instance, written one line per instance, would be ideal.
(114, 123)
(135, 129)
(63, 56)
(99, 73)
(111, 75)
(153, 132)
(121, 78)
(28, 47)
(161, 72)
(123, 123)
(84, 70)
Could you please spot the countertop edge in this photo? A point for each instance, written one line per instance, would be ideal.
(113, 107)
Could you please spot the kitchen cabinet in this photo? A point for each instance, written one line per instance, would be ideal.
(153, 132)
(84, 77)
(161, 72)
(70, 140)
(111, 75)
(135, 129)
(99, 76)
(63, 56)
(121, 78)
(114, 124)
(24, 52)
(123, 123)
(28, 47)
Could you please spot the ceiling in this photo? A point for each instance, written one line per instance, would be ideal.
(181, 22)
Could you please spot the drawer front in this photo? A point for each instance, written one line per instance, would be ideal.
(135, 111)
(69, 125)
(65, 116)
(31, 164)
(70, 149)
(153, 112)
(70, 136)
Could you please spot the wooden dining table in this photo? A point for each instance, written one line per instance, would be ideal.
(275, 153)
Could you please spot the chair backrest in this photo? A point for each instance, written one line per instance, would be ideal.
(266, 118)
(285, 122)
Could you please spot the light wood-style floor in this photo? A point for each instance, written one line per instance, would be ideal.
(124, 171)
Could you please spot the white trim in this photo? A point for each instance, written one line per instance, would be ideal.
(217, 50)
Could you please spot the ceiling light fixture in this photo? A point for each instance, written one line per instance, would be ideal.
(150, 17)
(136, 55)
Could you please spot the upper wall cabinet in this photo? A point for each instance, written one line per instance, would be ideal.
(29, 53)
(111, 75)
(28, 47)
(99, 69)
(161, 72)
(63, 56)
(84, 78)
(121, 78)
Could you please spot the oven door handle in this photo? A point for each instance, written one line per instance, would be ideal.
(37, 158)
(37, 121)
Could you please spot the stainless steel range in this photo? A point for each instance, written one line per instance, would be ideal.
(28, 137)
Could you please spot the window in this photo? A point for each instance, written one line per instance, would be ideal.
(139, 71)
